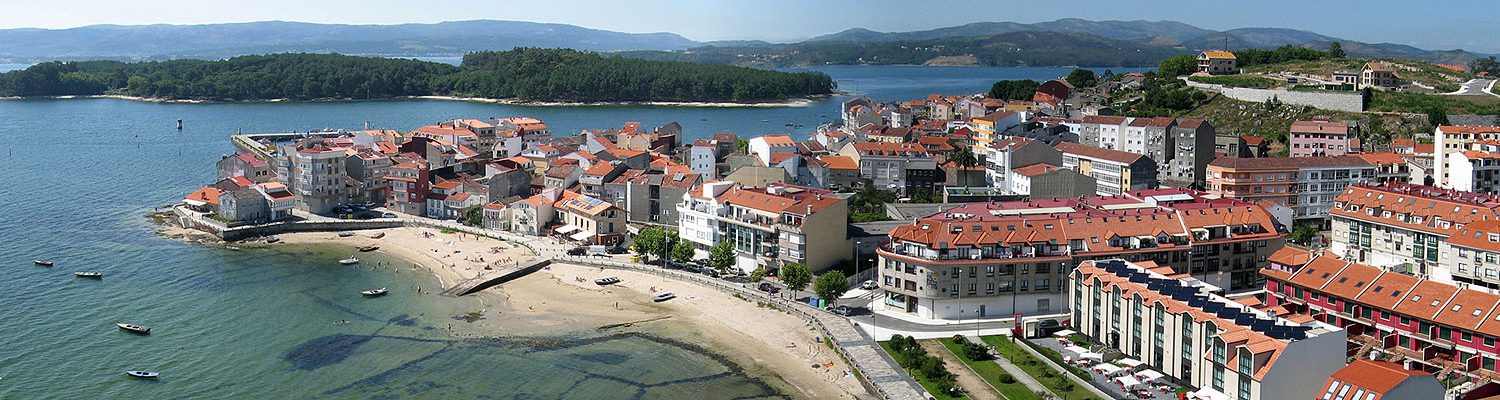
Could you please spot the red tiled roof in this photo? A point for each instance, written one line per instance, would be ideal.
(1035, 169)
(839, 162)
(1320, 127)
(1376, 378)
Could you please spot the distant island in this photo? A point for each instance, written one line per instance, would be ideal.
(522, 74)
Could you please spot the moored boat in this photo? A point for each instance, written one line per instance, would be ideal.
(607, 281)
(663, 297)
(375, 292)
(272, 239)
(369, 248)
(377, 235)
(346, 234)
(143, 374)
(89, 274)
(42, 263)
(133, 328)
(349, 261)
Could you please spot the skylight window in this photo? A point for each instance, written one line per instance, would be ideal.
(1417, 297)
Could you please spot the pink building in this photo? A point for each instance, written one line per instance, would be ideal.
(1318, 138)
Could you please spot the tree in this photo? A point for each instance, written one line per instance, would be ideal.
(721, 256)
(796, 276)
(682, 251)
(1487, 65)
(1178, 65)
(1014, 89)
(1336, 50)
(743, 145)
(831, 285)
(963, 157)
(650, 242)
(472, 216)
(1303, 233)
(1436, 116)
(1082, 78)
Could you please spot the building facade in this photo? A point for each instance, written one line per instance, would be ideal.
(1318, 139)
(768, 226)
(995, 259)
(1306, 184)
(1114, 171)
(1404, 228)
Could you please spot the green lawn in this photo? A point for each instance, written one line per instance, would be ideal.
(991, 371)
(1244, 81)
(926, 384)
(1038, 369)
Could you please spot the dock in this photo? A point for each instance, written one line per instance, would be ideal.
(497, 276)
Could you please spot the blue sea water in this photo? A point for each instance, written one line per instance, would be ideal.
(78, 177)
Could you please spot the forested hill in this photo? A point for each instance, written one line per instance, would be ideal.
(523, 74)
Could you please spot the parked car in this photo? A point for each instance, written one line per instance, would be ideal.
(694, 268)
(711, 272)
(842, 310)
(617, 250)
(577, 251)
(869, 285)
(768, 288)
(388, 215)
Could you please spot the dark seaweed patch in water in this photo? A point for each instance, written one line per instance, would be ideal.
(403, 320)
(323, 351)
(611, 358)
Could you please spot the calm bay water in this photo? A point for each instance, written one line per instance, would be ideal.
(79, 176)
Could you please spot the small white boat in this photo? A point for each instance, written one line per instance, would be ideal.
(606, 281)
(143, 374)
(663, 297)
(272, 239)
(232, 248)
(133, 328)
(346, 234)
(42, 263)
(89, 274)
(375, 292)
(349, 261)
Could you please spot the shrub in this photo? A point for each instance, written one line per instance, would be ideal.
(975, 351)
(960, 340)
(1007, 379)
(1064, 385)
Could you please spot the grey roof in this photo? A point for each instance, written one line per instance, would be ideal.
(1472, 120)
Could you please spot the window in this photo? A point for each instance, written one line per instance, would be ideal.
(1245, 389)
(1219, 377)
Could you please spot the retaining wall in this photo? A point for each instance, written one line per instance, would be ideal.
(1352, 102)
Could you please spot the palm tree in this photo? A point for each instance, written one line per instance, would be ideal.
(963, 157)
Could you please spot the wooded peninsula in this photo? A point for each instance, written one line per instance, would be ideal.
(524, 74)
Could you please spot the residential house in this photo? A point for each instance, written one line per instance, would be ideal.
(1405, 227)
(703, 158)
(904, 167)
(843, 171)
(1449, 139)
(1378, 74)
(763, 148)
(562, 176)
(367, 167)
(1217, 62)
(591, 221)
(1366, 379)
(1042, 180)
(318, 176)
(768, 226)
(407, 187)
(1007, 154)
(247, 165)
(244, 204)
(1102, 131)
(1476, 170)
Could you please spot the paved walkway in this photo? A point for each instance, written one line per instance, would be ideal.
(1017, 372)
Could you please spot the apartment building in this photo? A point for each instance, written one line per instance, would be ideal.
(1179, 326)
(1476, 169)
(902, 167)
(1318, 138)
(989, 259)
(407, 187)
(768, 226)
(1005, 155)
(1455, 139)
(1188, 149)
(317, 176)
(1102, 131)
(1404, 227)
(1306, 184)
(1114, 171)
(1419, 323)
(590, 221)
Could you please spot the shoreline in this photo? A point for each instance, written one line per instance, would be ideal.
(794, 102)
(563, 299)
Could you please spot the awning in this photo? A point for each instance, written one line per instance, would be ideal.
(1108, 369)
(1095, 356)
(1129, 362)
(1127, 382)
(581, 235)
(566, 229)
(1064, 333)
(1075, 349)
(1149, 375)
(1208, 394)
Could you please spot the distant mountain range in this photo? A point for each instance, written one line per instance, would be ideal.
(1067, 41)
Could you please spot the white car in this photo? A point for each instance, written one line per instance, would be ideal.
(868, 285)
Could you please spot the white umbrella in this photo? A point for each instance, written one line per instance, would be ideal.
(1129, 362)
(1091, 356)
(1127, 382)
(1208, 394)
(1075, 349)
(1149, 375)
(1108, 369)
(1063, 333)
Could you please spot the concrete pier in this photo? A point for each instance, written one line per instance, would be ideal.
(495, 277)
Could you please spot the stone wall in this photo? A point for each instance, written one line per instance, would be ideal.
(1351, 102)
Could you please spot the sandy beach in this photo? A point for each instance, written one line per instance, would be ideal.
(563, 298)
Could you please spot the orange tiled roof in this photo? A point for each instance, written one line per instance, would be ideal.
(1375, 377)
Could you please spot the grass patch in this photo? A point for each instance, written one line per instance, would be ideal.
(1041, 371)
(449, 231)
(1383, 100)
(1257, 82)
(991, 372)
(932, 386)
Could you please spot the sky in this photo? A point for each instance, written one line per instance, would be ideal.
(1458, 23)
